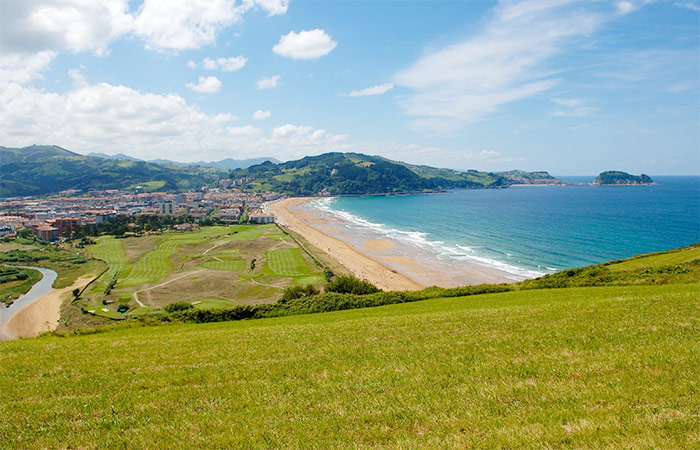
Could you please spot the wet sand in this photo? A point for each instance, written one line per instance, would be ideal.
(42, 315)
(363, 266)
(385, 262)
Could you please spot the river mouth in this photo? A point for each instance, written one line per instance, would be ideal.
(39, 290)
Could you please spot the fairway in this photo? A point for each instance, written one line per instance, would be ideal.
(213, 265)
(287, 262)
(599, 367)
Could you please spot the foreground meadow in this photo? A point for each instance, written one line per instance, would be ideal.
(595, 367)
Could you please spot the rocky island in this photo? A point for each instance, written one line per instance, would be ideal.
(617, 178)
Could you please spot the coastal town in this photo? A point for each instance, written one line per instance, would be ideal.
(55, 217)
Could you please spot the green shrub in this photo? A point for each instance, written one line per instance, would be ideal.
(350, 285)
(178, 306)
(294, 292)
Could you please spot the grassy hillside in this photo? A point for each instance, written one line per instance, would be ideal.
(573, 368)
(581, 367)
(356, 174)
(38, 170)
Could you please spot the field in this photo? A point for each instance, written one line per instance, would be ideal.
(210, 267)
(595, 367)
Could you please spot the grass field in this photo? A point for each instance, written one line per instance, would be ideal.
(211, 265)
(596, 367)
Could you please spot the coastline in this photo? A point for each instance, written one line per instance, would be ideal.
(381, 260)
(42, 315)
(288, 215)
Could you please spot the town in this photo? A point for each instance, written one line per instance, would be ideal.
(55, 217)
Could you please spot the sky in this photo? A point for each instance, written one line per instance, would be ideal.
(572, 87)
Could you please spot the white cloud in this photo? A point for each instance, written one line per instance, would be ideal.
(505, 62)
(625, 7)
(206, 85)
(374, 90)
(307, 44)
(247, 130)
(31, 26)
(77, 77)
(104, 117)
(225, 64)
(191, 64)
(268, 83)
(22, 68)
(261, 115)
(694, 6)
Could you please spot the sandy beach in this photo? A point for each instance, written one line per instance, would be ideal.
(384, 262)
(288, 215)
(42, 315)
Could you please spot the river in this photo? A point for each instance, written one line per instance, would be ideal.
(40, 289)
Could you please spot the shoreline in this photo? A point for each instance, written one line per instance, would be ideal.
(40, 316)
(356, 262)
(376, 256)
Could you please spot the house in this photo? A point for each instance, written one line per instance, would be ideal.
(260, 218)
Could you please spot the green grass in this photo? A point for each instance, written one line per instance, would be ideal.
(596, 367)
(110, 250)
(672, 257)
(230, 264)
(11, 290)
(286, 263)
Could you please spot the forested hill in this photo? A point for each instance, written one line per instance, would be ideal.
(45, 169)
(617, 178)
(357, 174)
(40, 170)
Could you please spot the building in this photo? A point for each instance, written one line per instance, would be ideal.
(46, 233)
(66, 225)
(166, 208)
(261, 218)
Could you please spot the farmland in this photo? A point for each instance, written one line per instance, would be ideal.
(210, 267)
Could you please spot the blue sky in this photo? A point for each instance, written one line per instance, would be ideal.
(573, 87)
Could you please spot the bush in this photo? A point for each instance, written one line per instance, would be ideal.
(328, 274)
(350, 285)
(294, 292)
(178, 306)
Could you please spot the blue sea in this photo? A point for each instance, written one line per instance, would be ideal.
(533, 230)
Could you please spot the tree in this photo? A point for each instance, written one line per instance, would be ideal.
(76, 294)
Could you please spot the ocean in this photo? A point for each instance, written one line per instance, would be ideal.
(531, 230)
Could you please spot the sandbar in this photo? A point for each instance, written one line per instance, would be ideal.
(42, 315)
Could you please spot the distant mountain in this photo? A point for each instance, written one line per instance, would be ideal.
(226, 164)
(357, 174)
(117, 156)
(617, 178)
(45, 169)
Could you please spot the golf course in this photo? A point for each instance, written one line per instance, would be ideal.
(210, 267)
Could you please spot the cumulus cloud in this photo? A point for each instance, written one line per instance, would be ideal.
(206, 85)
(104, 116)
(504, 62)
(32, 26)
(268, 83)
(374, 90)
(625, 7)
(225, 64)
(261, 115)
(307, 44)
(20, 68)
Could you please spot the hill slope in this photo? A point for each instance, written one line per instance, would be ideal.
(44, 169)
(357, 174)
(592, 367)
(616, 178)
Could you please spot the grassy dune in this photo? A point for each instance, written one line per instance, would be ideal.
(595, 367)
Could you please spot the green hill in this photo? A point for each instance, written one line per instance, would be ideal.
(43, 169)
(356, 174)
(39, 170)
(616, 178)
(583, 367)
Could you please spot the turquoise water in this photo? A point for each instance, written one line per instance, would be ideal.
(530, 231)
